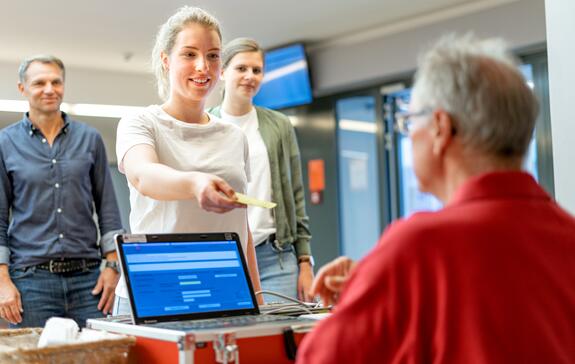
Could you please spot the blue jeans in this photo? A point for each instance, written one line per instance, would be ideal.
(46, 294)
(278, 270)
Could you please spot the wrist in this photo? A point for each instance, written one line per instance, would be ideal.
(113, 264)
(305, 260)
(4, 273)
(193, 186)
(111, 256)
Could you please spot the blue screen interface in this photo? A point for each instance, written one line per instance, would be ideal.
(184, 278)
(286, 79)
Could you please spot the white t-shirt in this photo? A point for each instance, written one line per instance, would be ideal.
(261, 220)
(217, 147)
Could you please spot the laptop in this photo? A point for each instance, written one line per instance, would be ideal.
(190, 282)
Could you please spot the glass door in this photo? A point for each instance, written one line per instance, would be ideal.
(358, 169)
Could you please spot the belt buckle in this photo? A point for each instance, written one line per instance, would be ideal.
(51, 266)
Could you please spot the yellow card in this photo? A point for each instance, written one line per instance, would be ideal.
(246, 200)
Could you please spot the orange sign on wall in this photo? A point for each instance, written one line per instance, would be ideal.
(315, 169)
(316, 179)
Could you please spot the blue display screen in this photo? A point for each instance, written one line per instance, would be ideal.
(286, 79)
(185, 278)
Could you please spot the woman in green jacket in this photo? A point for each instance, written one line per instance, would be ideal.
(281, 235)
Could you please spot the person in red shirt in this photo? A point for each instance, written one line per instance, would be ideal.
(490, 278)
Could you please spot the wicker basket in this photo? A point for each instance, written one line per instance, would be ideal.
(19, 346)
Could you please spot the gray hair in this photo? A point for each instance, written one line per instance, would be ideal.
(479, 84)
(239, 45)
(42, 58)
(166, 38)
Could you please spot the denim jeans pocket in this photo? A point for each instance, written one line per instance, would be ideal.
(281, 248)
(22, 273)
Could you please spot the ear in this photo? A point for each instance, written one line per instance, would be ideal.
(442, 130)
(165, 61)
(21, 88)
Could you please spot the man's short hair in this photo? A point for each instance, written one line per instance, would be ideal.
(479, 84)
(42, 58)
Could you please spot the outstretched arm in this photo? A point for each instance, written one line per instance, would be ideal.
(161, 182)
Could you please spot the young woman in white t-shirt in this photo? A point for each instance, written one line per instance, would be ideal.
(184, 166)
(282, 235)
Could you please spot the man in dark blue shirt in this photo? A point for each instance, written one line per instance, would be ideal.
(53, 176)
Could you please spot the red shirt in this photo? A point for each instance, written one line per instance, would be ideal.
(490, 278)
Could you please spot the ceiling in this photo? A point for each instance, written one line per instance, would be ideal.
(118, 35)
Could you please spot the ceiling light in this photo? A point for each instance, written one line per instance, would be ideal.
(14, 106)
(357, 125)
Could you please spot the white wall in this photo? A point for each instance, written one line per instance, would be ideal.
(561, 56)
(90, 86)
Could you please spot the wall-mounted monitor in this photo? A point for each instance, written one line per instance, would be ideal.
(286, 80)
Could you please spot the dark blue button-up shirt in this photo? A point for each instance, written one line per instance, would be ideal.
(48, 195)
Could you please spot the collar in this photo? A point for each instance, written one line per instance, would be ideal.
(508, 185)
(29, 126)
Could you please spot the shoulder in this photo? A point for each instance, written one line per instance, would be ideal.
(87, 135)
(405, 249)
(142, 115)
(10, 129)
(9, 135)
(84, 131)
(276, 117)
(274, 124)
(141, 118)
(222, 125)
(83, 128)
(422, 234)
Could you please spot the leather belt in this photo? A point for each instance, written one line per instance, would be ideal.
(69, 265)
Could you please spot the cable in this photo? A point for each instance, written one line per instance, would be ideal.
(293, 309)
(286, 298)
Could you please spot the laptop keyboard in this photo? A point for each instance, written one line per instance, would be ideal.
(237, 321)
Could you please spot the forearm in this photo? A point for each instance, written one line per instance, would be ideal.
(302, 244)
(4, 272)
(161, 182)
(303, 233)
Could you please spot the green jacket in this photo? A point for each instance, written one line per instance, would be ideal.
(291, 220)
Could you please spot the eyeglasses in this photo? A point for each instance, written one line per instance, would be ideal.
(404, 120)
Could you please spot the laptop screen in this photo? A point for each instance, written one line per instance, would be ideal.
(186, 276)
